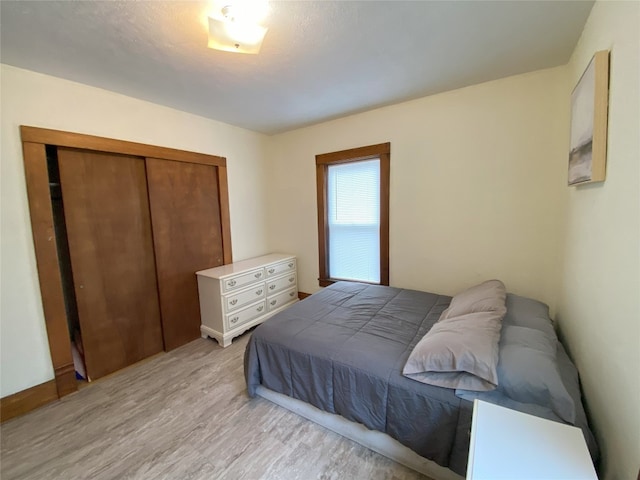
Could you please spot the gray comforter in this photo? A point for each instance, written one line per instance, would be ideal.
(343, 350)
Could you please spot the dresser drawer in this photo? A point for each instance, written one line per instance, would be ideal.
(281, 299)
(234, 301)
(238, 281)
(245, 315)
(281, 283)
(282, 267)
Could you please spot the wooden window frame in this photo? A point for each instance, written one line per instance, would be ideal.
(380, 151)
(34, 142)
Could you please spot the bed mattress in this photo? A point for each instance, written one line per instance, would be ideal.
(342, 350)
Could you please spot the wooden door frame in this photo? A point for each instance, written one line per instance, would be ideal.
(34, 142)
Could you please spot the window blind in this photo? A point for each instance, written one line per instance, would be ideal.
(353, 207)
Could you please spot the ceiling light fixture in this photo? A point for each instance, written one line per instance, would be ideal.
(236, 28)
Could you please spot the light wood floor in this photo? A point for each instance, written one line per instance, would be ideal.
(181, 415)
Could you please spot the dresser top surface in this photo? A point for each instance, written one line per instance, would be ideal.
(244, 265)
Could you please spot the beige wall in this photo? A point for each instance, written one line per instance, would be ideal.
(32, 99)
(599, 306)
(477, 176)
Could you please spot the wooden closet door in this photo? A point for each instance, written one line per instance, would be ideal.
(109, 232)
(187, 234)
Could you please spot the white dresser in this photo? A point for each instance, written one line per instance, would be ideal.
(235, 297)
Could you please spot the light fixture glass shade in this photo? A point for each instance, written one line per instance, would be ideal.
(233, 36)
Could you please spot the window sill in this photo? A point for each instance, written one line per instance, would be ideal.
(325, 282)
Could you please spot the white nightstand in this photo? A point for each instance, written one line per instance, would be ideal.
(510, 445)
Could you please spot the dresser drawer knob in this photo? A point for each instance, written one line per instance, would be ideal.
(291, 294)
(258, 275)
(271, 270)
(292, 279)
(259, 292)
(232, 283)
(234, 301)
(234, 319)
(271, 287)
(291, 265)
(273, 302)
(260, 308)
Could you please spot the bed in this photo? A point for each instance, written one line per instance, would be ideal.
(342, 352)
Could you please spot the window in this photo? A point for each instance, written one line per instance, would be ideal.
(353, 215)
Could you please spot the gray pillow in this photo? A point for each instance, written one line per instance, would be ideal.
(529, 313)
(489, 296)
(527, 371)
(460, 352)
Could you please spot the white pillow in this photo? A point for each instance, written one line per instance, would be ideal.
(460, 352)
(489, 296)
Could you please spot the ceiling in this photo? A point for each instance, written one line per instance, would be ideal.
(320, 59)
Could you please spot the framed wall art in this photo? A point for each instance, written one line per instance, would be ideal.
(589, 105)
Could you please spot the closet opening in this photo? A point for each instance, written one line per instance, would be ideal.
(116, 287)
(64, 263)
